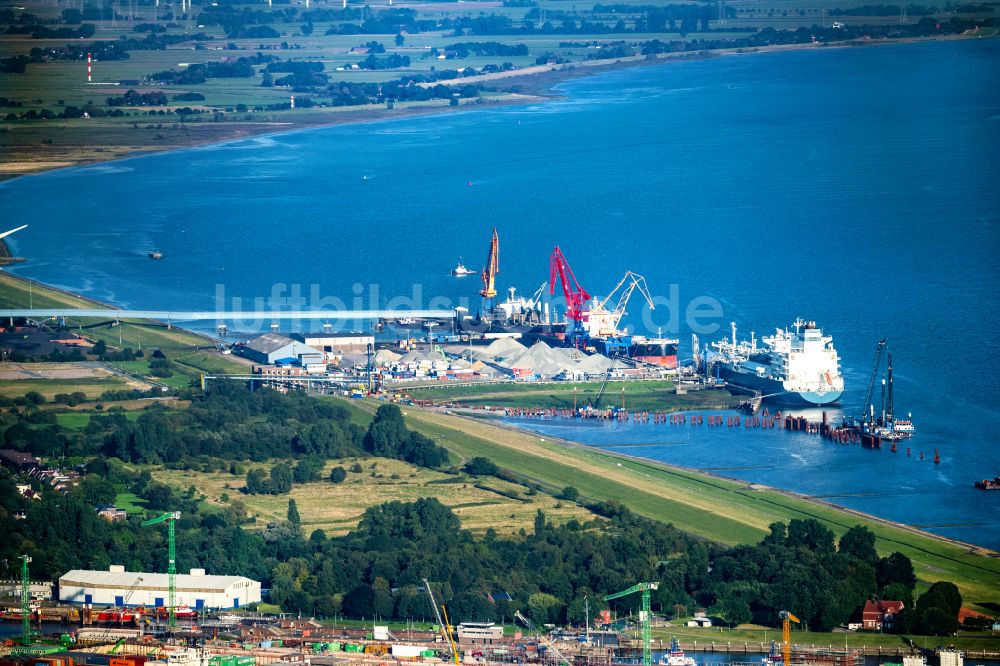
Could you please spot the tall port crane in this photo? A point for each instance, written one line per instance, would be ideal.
(602, 319)
(170, 518)
(542, 637)
(492, 267)
(645, 615)
(576, 296)
(786, 634)
(445, 628)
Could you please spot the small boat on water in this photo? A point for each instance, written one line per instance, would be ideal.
(119, 615)
(155, 254)
(676, 656)
(460, 270)
(989, 484)
(180, 612)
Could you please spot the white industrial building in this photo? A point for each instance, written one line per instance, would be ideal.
(117, 587)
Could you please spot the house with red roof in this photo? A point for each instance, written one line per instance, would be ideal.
(880, 614)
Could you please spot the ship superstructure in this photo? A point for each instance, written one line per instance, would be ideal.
(797, 366)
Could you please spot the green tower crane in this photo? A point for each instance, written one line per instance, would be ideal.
(170, 518)
(25, 602)
(645, 615)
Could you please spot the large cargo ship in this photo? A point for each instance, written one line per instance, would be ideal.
(793, 367)
(653, 351)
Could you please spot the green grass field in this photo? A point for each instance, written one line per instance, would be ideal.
(93, 387)
(130, 503)
(79, 420)
(722, 510)
(758, 638)
(652, 395)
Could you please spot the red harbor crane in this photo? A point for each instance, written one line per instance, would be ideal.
(576, 296)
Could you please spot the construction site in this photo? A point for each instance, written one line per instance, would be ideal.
(127, 633)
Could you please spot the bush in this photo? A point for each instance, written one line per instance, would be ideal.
(338, 475)
(480, 466)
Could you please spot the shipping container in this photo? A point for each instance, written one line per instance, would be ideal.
(406, 650)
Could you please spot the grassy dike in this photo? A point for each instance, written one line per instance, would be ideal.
(644, 395)
(191, 351)
(721, 510)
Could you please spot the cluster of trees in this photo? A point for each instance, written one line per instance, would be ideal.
(149, 27)
(228, 422)
(133, 98)
(13, 65)
(300, 74)
(388, 437)
(111, 50)
(201, 72)
(277, 482)
(392, 61)
(351, 93)
(465, 49)
(246, 22)
(85, 31)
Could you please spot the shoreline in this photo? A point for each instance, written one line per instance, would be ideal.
(538, 86)
(974, 549)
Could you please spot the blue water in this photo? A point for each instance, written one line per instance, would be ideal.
(856, 187)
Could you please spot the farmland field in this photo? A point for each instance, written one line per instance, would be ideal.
(336, 508)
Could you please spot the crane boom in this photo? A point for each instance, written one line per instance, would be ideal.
(786, 634)
(576, 296)
(645, 617)
(604, 320)
(441, 623)
(491, 268)
(875, 366)
(170, 518)
(541, 636)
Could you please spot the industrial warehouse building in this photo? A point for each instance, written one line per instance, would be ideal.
(117, 587)
(271, 347)
(337, 343)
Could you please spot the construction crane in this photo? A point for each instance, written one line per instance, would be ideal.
(445, 628)
(786, 634)
(645, 615)
(576, 296)
(25, 600)
(603, 320)
(869, 407)
(489, 274)
(128, 596)
(541, 636)
(170, 518)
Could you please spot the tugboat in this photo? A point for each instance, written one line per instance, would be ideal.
(989, 484)
(676, 656)
(460, 270)
(155, 254)
(774, 656)
(180, 612)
